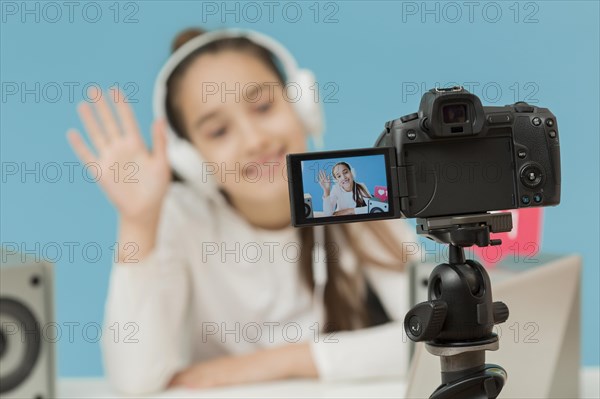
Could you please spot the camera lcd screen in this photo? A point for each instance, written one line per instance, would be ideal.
(341, 186)
(455, 113)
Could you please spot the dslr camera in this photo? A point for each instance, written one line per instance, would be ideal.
(452, 157)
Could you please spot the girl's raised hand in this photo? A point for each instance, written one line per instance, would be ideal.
(325, 183)
(134, 178)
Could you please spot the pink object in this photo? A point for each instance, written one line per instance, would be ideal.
(381, 193)
(522, 243)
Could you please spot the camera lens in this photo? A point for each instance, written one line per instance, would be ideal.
(531, 175)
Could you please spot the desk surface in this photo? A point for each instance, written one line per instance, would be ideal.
(382, 388)
(98, 388)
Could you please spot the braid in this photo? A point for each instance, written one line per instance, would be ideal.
(358, 196)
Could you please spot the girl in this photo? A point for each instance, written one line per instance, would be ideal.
(347, 196)
(220, 288)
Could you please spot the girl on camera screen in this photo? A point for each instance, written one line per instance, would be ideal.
(347, 197)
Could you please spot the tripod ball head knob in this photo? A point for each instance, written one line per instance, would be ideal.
(425, 321)
(500, 312)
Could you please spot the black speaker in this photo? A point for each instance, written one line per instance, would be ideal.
(375, 206)
(27, 357)
(308, 207)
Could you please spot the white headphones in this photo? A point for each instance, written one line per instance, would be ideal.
(184, 158)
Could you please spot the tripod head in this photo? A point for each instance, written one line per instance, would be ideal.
(465, 230)
(457, 320)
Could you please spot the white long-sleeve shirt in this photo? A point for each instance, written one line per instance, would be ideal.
(215, 285)
(339, 199)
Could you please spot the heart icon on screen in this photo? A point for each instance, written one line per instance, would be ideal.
(381, 193)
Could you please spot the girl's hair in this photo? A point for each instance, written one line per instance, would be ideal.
(345, 294)
(359, 191)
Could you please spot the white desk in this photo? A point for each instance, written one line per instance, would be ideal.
(81, 388)
(98, 388)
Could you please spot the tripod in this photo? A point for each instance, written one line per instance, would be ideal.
(456, 322)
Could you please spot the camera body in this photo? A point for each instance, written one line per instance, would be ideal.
(456, 156)
(452, 157)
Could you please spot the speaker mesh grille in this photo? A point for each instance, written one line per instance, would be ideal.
(18, 327)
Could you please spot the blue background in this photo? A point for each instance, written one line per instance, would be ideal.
(380, 57)
(369, 170)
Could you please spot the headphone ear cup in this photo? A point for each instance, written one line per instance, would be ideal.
(308, 107)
